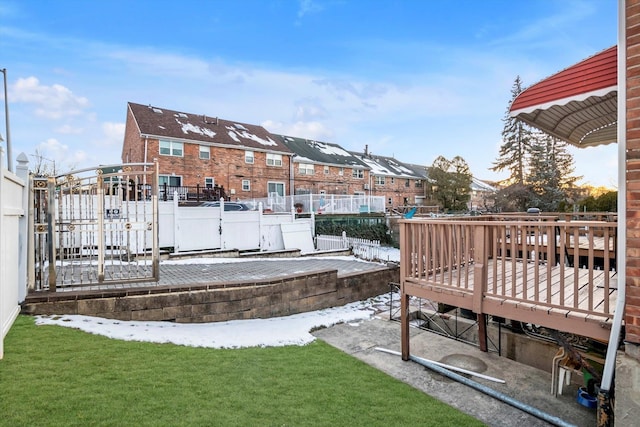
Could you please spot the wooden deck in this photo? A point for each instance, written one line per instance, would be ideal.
(557, 274)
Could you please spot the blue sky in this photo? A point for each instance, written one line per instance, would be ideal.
(411, 79)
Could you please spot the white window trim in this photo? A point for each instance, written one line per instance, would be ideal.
(208, 151)
(246, 185)
(248, 154)
(171, 148)
(274, 159)
(169, 180)
(277, 183)
(306, 169)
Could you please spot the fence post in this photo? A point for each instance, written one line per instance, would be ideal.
(260, 227)
(22, 170)
(176, 220)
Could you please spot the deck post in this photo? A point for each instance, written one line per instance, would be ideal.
(404, 298)
(404, 325)
(480, 283)
(482, 332)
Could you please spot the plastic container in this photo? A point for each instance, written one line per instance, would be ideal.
(585, 399)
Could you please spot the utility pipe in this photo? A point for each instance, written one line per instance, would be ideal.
(444, 365)
(493, 393)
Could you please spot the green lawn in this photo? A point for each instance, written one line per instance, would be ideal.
(60, 376)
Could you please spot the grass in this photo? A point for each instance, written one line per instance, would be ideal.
(57, 376)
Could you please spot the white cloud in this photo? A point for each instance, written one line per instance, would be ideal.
(308, 7)
(53, 102)
(113, 133)
(65, 158)
(69, 130)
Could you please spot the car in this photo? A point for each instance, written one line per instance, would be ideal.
(228, 206)
(533, 211)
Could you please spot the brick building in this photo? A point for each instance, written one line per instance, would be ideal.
(209, 155)
(400, 183)
(198, 151)
(324, 168)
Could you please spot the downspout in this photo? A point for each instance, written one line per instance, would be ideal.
(604, 395)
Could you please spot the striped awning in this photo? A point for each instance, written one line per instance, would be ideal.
(578, 105)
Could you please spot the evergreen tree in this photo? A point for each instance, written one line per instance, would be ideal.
(452, 179)
(550, 173)
(516, 146)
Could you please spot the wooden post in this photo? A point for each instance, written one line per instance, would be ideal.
(405, 257)
(480, 281)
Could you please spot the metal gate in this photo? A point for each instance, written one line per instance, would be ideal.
(95, 226)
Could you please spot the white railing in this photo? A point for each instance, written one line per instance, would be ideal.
(13, 240)
(362, 248)
(321, 203)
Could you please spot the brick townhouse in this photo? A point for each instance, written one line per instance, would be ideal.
(200, 152)
(325, 168)
(400, 183)
(245, 160)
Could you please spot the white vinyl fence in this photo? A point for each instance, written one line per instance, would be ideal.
(192, 228)
(186, 228)
(362, 248)
(13, 243)
(321, 203)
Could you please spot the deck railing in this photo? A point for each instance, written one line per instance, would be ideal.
(543, 270)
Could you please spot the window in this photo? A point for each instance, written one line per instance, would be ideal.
(341, 171)
(326, 170)
(418, 183)
(305, 169)
(274, 159)
(408, 183)
(393, 180)
(358, 173)
(204, 152)
(275, 188)
(248, 157)
(378, 180)
(171, 148)
(170, 180)
(208, 182)
(246, 185)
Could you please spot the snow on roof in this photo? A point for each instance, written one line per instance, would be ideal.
(190, 127)
(242, 132)
(476, 184)
(334, 150)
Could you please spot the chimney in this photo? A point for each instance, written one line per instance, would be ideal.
(366, 150)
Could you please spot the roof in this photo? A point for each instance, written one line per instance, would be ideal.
(388, 166)
(164, 123)
(577, 104)
(310, 151)
(479, 185)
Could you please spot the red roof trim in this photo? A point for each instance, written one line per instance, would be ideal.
(595, 73)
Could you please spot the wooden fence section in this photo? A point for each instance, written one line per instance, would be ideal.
(555, 273)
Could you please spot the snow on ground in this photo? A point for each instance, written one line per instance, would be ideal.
(273, 332)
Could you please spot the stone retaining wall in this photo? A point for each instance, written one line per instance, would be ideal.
(219, 302)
